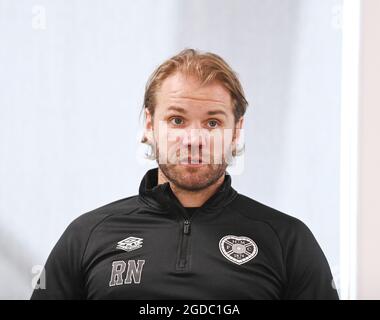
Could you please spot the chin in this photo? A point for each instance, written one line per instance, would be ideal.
(192, 183)
(193, 177)
(192, 174)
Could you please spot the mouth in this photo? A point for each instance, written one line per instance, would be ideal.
(192, 162)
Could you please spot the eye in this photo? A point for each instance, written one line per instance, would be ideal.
(213, 123)
(177, 121)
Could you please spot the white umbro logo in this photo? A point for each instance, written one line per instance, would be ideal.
(130, 244)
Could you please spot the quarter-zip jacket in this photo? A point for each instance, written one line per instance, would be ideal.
(147, 247)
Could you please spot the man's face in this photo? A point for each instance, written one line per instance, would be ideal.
(193, 129)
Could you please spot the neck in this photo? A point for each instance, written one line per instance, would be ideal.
(191, 198)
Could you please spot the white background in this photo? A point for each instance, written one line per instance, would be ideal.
(72, 77)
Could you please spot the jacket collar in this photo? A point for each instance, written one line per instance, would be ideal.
(162, 197)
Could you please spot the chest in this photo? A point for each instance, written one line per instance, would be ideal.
(183, 260)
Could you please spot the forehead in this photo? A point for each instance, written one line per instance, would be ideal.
(185, 90)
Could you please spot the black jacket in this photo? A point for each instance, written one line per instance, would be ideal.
(147, 247)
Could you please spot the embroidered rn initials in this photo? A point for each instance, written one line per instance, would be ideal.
(133, 273)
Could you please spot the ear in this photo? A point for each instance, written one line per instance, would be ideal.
(238, 126)
(148, 120)
(148, 127)
(236, 137)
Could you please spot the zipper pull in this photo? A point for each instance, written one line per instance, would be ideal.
(186, 227)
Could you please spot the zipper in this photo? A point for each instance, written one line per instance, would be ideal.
(182, 260)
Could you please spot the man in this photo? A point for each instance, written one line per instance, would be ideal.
(188, 234)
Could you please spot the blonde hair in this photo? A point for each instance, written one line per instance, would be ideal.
(206, 67)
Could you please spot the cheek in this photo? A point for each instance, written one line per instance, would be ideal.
(156, 126)
(220, 140)
(168, 141)
(160, 131)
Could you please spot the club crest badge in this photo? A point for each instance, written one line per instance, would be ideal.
(239, 250)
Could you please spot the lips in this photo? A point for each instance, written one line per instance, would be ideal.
(190, 160)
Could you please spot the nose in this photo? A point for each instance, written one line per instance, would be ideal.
(194, 137)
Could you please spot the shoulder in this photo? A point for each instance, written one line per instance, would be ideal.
(289, 229)
(74, 240)
(86, 222)
(255, 210)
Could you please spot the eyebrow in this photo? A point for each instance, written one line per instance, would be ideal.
(178, 109)
(210, 113)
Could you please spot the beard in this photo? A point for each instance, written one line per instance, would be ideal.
(193, 179)
(196, 178)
